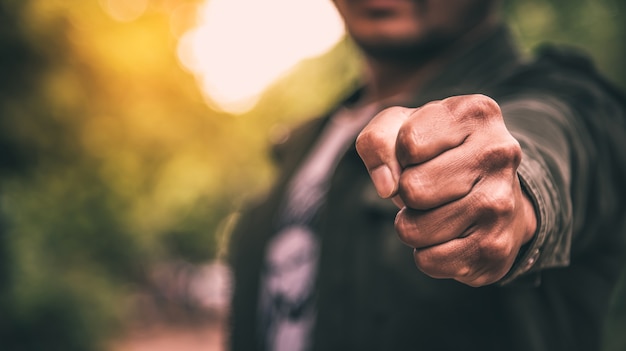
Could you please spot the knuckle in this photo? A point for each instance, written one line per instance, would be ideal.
(479, 281)
(394, 110)
(409, 144)
(502, 155)
(407, 229)
(496, 250)
(483, 107)
(367, 138)
(476, 106)
(498, 202)
(425, 263)
(403, 227)
(410, 137)
(464, 272)
(416, 189)
(435, 267)
(489, 262)
(511, 151)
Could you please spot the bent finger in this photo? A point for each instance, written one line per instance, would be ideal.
(376, 144)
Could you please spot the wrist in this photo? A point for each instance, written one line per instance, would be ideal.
(529, 216)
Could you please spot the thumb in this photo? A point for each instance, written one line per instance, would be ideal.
(376, 144)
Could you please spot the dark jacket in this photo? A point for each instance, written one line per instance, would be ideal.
(370, 295)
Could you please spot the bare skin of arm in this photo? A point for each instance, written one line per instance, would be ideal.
(451, 166)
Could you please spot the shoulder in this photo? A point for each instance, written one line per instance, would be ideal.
(294, 139)
(290, 140)
(568, 73)
(567, 78)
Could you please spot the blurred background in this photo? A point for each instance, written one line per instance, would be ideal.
(132, 131)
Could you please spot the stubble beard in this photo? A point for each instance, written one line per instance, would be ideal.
(404, 51)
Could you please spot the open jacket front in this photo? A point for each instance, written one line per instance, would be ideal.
(370, 295)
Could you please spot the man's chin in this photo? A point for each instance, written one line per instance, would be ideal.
(403, 50)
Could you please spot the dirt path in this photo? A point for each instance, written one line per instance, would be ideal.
(204, 337)
(184, 309)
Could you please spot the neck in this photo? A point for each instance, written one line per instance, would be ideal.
(391, 81)
(388, 82)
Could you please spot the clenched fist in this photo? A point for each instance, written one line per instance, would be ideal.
(451, 166)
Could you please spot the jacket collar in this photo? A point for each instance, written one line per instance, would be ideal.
(480, 67)
(473, 70)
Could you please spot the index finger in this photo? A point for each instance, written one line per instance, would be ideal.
(376, 144)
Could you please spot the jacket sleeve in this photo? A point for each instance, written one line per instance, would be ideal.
(546, 137)
(572, 170)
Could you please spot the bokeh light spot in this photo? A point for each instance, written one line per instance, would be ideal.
(240, 47)
(124, 10)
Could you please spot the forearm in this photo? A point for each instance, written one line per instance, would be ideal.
(550, 140)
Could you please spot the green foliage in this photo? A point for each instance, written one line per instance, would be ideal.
(595, 26)
(107, 161)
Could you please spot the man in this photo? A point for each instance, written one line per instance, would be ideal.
(505, 179)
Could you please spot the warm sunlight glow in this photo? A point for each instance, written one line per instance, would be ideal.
(124, 10)
(241, 46)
